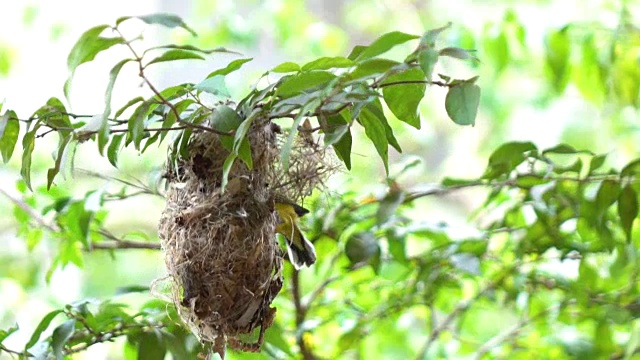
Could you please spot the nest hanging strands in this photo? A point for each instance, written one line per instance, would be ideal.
(220, 248)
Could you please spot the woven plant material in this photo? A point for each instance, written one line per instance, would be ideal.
(220, 248)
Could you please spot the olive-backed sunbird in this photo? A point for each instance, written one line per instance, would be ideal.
(300, 250)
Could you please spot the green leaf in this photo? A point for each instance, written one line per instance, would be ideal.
(137, 123)
(42, 326)
(372, 67)
(274, 336)
(403, 99)
(225, 119)
(604, 341)
(239, 146)
(241, 133)
(496, 49)
(150, 347)
(429, 38)
(356, 51)
(167, 20)
(226, 169)
(214, 85)
(28, 144)
(462, 103)
(336, 126)
(477, 247)
(376, 131)
(171, 119)
(183, 144)
(628, 209)
(6, 333)
(61, 155)
(507, 157)
(361, 247)
(348, 340)
(173, 92)
(338, 135)
(384, 43)
(76, 220)
(448, 181)
(286, 67)
(597, 162)
(86, 48)
(60, 336)
(89, 45)
(175, 54)
(608, 193)
(624, 80)
(428, 59)
(4, 120)
(588, 276)
(114, 149)
(129, 104)
(326, 63)
(193, 48)
(231, 67)
(103, 134)
(590, 75)
(634, 342)
(562, 149)
(295, 84)
(631, 168)
(528, 181)
(286, 148)
(375, 107)
(132, 289)
(53, 114)
(9, 133)
(557, 46)
(458, 53)
(178, 345)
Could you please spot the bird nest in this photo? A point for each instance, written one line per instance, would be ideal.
(221, 252)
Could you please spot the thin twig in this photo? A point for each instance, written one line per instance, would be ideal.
(458, 310)
(157, 93)
(442, 190)
(416, 82)
(125, 244)
(143, 189)
(320, 289)
(9, 351)
(513, 331)
(117, 243)
(41, 221)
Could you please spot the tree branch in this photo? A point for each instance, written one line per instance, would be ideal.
(117, 243)
(301, 312)
(111, 335)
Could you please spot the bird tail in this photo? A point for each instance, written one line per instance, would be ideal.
(301, 255)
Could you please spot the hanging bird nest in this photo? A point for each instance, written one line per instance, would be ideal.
(221, 252)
